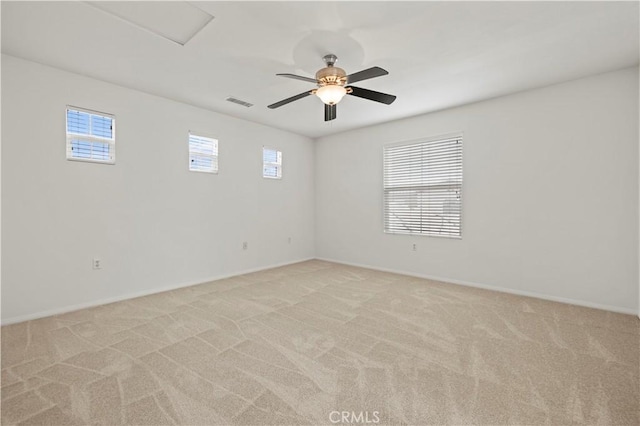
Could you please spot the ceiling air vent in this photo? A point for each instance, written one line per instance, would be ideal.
(239, 102)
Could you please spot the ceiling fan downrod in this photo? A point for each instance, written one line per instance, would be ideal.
(330, 59)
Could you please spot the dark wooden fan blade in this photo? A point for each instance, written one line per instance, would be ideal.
(372, 95)
(366, 74)
(330, 112)
(298, 77)
(291, 99)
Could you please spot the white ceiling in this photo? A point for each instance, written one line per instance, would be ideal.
(438, 54)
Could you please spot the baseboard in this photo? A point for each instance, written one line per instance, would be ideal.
(493, 288)
(71, 308)
(134, 295)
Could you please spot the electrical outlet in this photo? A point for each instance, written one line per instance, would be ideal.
(245, 245)
(97, 263)
(415, 247)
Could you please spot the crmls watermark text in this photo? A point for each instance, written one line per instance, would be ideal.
(363, 417)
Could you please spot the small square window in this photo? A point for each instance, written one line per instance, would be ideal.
(90, 136)
(271, 163)
(203, 154)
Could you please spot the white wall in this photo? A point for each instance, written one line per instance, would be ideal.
(550, 195)
(153, 223)
(550, 201)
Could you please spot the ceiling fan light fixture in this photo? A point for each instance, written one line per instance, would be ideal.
(331, 94)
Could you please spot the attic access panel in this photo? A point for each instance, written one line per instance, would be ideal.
(159, 17)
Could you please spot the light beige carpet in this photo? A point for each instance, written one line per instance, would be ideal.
(301, 344)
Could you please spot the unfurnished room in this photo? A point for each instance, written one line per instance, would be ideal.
(320, 213)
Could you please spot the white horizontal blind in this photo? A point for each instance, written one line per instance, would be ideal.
(90, 136)
(423, 188)
(271, 163)
(203, 154)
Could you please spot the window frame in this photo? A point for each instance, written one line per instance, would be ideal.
(70, 136)
(215, 156)
(425, 140)
(278, 165)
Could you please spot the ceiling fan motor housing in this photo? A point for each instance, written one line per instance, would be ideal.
(331, 75)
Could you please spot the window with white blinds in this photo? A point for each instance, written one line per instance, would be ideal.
(90, 136)
(203, 154)
(271, 163)
(423, 188)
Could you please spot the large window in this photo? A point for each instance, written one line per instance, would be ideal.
(90, 136)
(423, 187)
(203, 154)
(271, 163)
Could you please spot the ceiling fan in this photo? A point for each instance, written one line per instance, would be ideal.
(333, 83)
